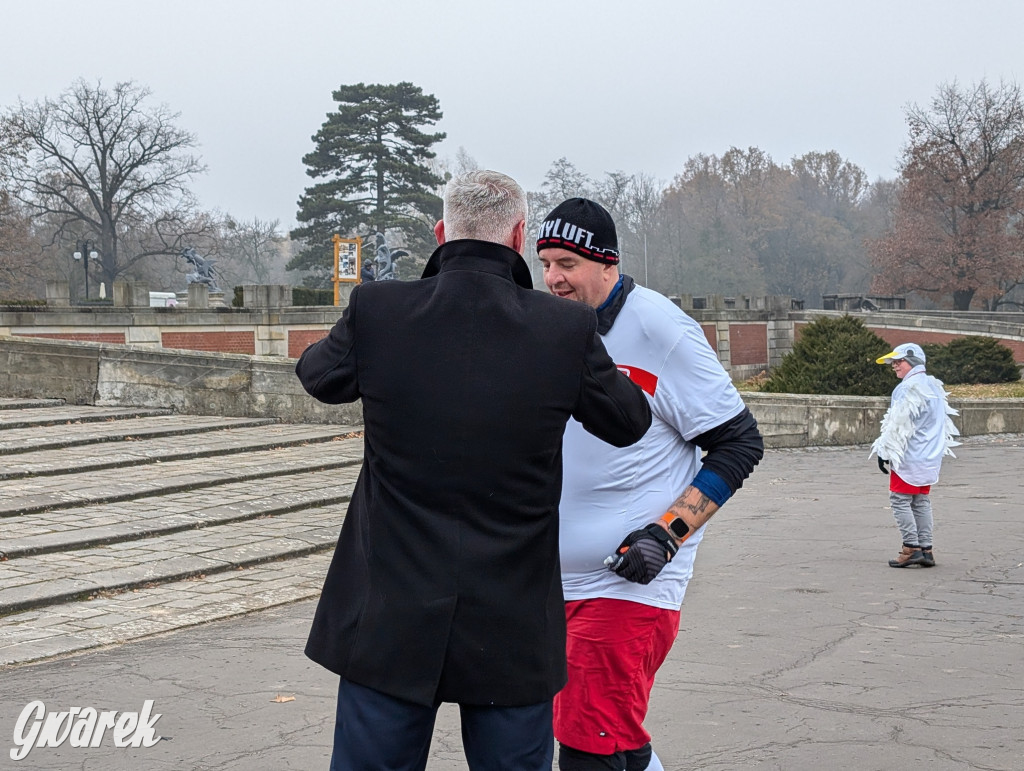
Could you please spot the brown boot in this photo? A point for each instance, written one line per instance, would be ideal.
(909, 555)
(927, 558)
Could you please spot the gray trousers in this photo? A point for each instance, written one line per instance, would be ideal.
(914, 517)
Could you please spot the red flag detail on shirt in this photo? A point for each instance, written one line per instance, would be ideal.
(646, 380)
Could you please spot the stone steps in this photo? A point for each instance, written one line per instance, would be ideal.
(157, 448)
(13, 403)
(25, 417)
(46, 532)
(113, 618)
(70, 491)
(117, 524)
(19, 440)
(74, 574)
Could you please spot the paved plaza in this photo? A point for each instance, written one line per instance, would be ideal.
(177, 558)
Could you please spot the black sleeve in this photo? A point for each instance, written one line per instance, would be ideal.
(327, 369)
(733, 449)
(610, 406)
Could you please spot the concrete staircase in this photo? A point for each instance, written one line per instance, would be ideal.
(120, 523)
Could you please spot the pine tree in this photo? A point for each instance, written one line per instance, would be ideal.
(372, 157)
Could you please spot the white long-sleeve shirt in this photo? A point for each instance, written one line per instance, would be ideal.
(608, 492)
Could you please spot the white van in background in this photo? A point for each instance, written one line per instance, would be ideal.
(162, 299)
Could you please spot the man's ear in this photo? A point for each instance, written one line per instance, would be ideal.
(519, 236)
(439, 232)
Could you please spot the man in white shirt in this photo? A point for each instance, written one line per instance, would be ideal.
(643, 508)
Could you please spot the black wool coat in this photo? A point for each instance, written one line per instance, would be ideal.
(445, 582)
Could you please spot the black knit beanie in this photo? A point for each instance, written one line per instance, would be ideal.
(583, 227)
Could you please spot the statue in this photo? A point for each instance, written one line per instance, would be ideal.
(384, 257)
(203, 269)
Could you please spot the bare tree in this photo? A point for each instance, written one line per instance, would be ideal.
(743, 223)
(830, 185)
(563, 180)
(103, 164)
(464, 162)
(20, 274)
(633, 201)
(957, 228)
(254, 249)
(735, 223)
(166, 238)
(704, 226)
(644, 196)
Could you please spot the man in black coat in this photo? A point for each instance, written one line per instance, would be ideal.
(445, 584)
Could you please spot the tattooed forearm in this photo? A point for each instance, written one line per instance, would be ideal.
(698, 507)
(694, 507)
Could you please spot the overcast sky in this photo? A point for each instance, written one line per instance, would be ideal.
(613, 85)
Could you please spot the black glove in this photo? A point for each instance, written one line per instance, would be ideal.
(881, 465)
(643, 553)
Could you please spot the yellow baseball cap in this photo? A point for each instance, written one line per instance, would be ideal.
(906, 350)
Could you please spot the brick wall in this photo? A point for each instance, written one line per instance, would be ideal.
(221, 342)
(748, 344)
(298, 339)
(745, 341)
(896, 336)
(711, 333)
(84, 337)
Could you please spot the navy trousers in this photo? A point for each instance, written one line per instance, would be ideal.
(376, 732)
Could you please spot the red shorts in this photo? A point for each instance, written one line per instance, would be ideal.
(897, 485)
(614, 649)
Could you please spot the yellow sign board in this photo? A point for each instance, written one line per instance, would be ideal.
(348, 258)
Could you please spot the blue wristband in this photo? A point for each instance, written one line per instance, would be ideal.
(713, 486)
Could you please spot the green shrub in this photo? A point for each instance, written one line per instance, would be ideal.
(238, 300)
(302, 295)
(971, 359)
(834, 356)
(937, 361)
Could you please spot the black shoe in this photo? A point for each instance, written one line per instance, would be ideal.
(927, 559)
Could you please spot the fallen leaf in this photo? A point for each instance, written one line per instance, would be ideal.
(279, 699)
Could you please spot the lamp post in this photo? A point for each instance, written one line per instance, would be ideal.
(85, 251)
(646, 282)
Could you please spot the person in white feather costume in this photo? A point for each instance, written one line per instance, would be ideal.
(917, 432)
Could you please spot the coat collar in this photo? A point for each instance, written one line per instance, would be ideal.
(486, 256)
(609, 310)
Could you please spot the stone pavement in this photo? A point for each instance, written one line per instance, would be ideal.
(799, 647)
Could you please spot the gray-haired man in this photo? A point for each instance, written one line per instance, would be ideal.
(445, 586)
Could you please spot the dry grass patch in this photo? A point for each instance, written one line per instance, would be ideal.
(988, 390)
(974, 391)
